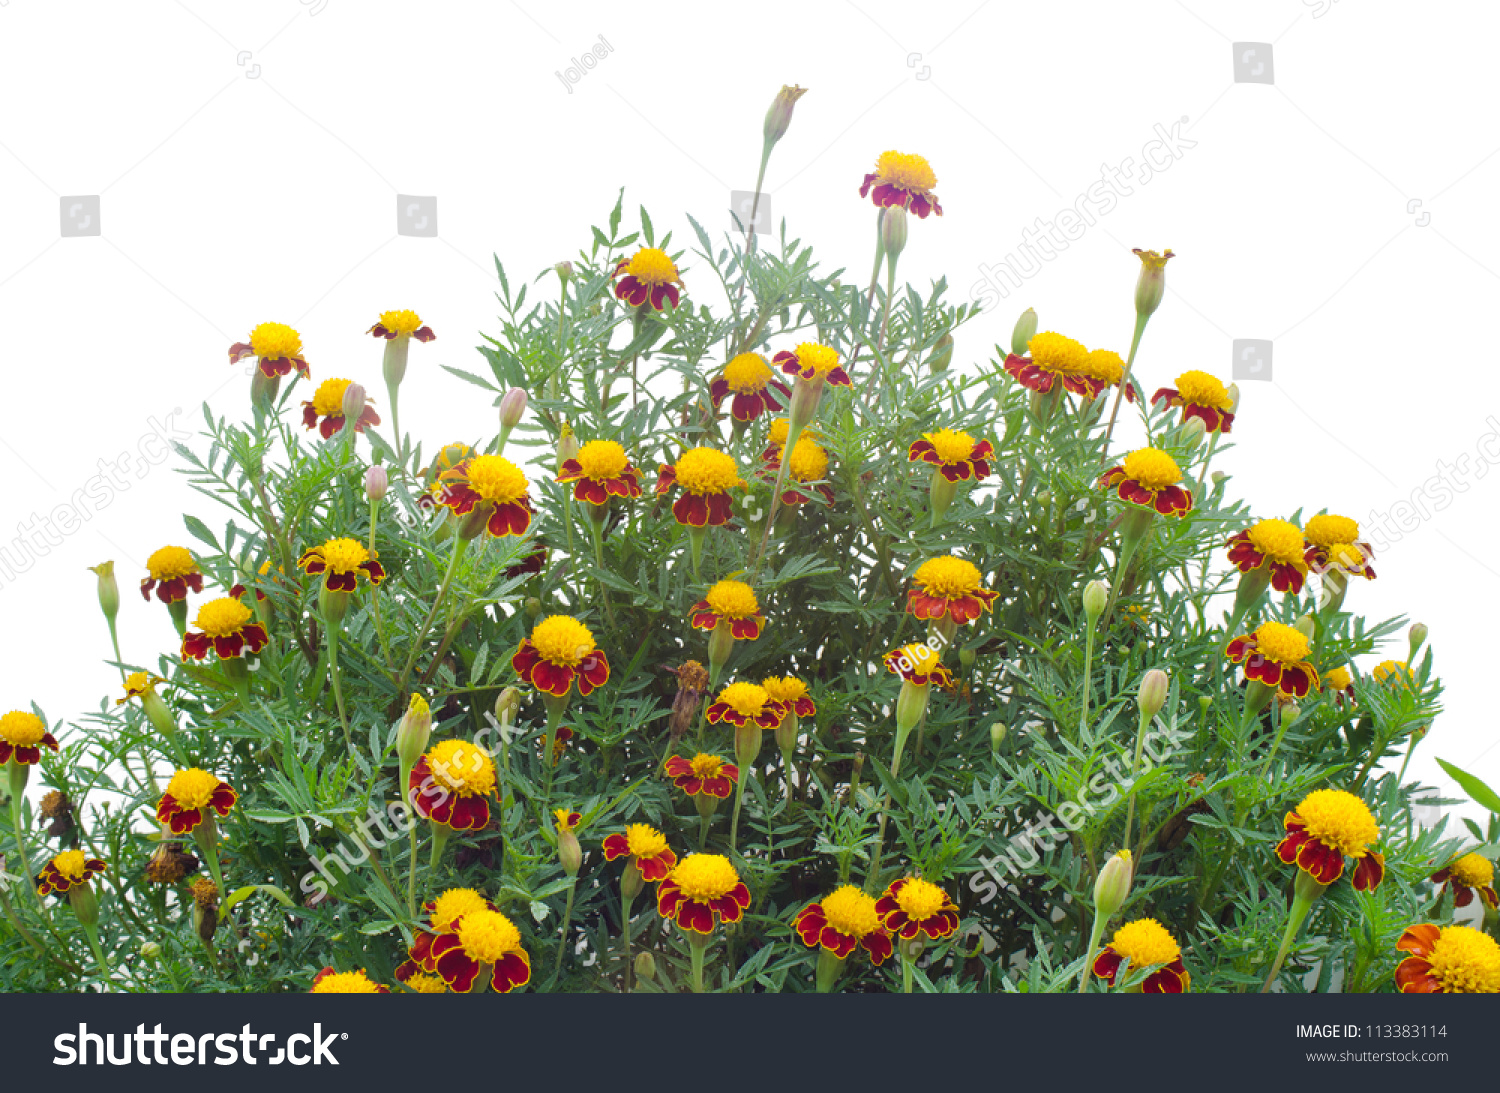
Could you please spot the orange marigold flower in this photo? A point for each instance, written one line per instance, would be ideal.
(483, 941)
(1326, 827)
(329, 981)
(648, 277)
(1276, 655)
(327, 407)
(489, 483)
(842, 922)
(1468, 875)
(451, 785)
(957, 456)
(912, 906)
(645, 846)
(706, 476)
(790, 693)
(949, 587)
(811, 361)
(601, 470)
(1275, 545)
(23, 735)
(1334, 543)
(1054, 359)
(733, 602)
(1203, 397)
(705, 774)
(918, 664)
(702, 891)
(341, 561)
(442, 915)
(401, 324)
(172, 572)
(67, 870)
(743, 704)
(278, 348)
(191, 796)
(902, 180)
(1448, 960)
(225, 627)
(1149, 478)
(754, 386)
(1145, 943)
(560, 651)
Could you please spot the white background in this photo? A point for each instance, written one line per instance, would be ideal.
(235, 193)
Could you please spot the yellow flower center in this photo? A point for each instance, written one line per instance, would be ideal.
(205, 893)
(1103, 364)
(602, 460)
(222, 617)
(905, 171)
(329, 397)
(1466, 961)
(71, 864)
(1278, 540)
(851, 912)
(950, 446)
(1056, 353)
(1337, 679)
(346, 983)
(22, 729)
(707, 470)
(1339, 820)
(747, 373)
(651, 266)
(1201, 389)
(786, 689)
(1153, 261)
(644, 841)
(169, 562)
(748, 699)
(488, 935)
(1388, 669)
(404, 321)
(1152, 468)
(344, 555)
(564, 819)
(192, 788)
(820, 358)
(562, 640)
(452, 455)
(920, 899)
(1328, 530)
(707, 766)
(924, 659)
(777, 433)
(1346, 555)
(422, 983)
(275, 340)
(1145, 942)
(459, 766)
(1281, 643)
(453, 904)
(732, 599)
(948, 577)
(704, 877)
(809, 462)
(1472, 871)
(497, 479)
(139, 683)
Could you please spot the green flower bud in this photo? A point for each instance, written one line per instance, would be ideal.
(1152, 695)
(109, 591)
(1095, 597)
(1113, 886)
(1025, 330)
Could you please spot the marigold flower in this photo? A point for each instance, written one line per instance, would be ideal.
(912, 906)
(138, 684)
(451, 783)
(705, 774)
(191, 795)
(957, 455)
(902, 180)
(1201, 396)
(327, 406)
(702, 891)
(811, 361)
(422, 983)
(918, 664)
(601, 470)
(172, 572)
(1276, 545)
(559, 651)
(706, 476)
(566, 819)
(205, 894)
(949, 587)
(1391, 669)
(1339, 683)
(67, 870)
(278, 347)
(226, 628)
(1145, 943)
(1448, 960)
(842, 922)
(753, 384)
(1100, 369)
(399, 324)
(23, 735)
(1327, 826)
(648, 277)
(341, 561)
(790, 693)
(1276, 655)
(646, 847)
(488, 482)
(57, 811)
(329, 981)
(1468, 875)
(808, 463)
(1054, 359)
(1149, 478)
(776, 435)
(1334, 543)
(732, 602)
(743, 704)
(442, 915)
(560, 745)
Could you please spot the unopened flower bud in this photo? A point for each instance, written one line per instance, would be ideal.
(1153, 693)
(564, 271)
(779, 117)
(1233, 391)
(354, 404)
(1193, 432)
(376, 483)
(893, 231)
(567, 446)
(1289, 713)
(1112, 888)
(1095, 597)
(569, 853)
(1025, 330)
(415, 728)
(1152, 283)
(533, 607)
(109, 591)
(84, 902)
(1218, 477)
(967, 657)
(1416, 637)
(997, 737)
(942, 354)
(150, 950)
(508, 705)
(631, 880)
(645, 966)
(1307, 626)
(512, 408)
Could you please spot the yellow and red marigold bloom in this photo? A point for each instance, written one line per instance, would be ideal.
(451, 785)
(645, 846)
(1149, 478)
(949, 587)
(1339, 683)
(278, 347)
(329, 981)
(842, 922)
(566, 820)
(705, 774)
(138, 684)
(918, 664)
(776, 436)
(396, 324)
(790, 693)
(191, 795)
(752, 382)
(957, 456)
(560, 745)
(1054, 359)
(448, 457)
(1099, 370)
(172, 572)
(743, 704)
(1145, 943)
(1276, 655)
(23, 735)
(1448, 960)
(648, 277)
(483, 943)
(67, 870)
(226, 627)
(1334, 543)
(811, 361)
(912, 906)
(1277, 546)
(1326, 827)
(327, 407)
(809, 463)
(489, 482)
(561, 650)
(442, 915)
(341, 561)
(1468, 875)
(702, 891)
(1397, 670)
(1203, 397)
(706, 476)
(902, 180)
(601, 470)
(733, 602)
(423, 983)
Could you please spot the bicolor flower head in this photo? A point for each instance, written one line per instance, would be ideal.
(1470, 875)
(811, 361)
(401, 324)
(329, 981)
(1339, 683)
(646, 847)
(441, 916)
(1099, 370)
(452, 784)
(1334, 543)
(139, 684)
(918, 664)
(1145, 943)
(599, 471)
(226, 627)
(23, 735)
(1448, 960)
(1276, 546)
(807, 464)
(902, 180)
(191, 796)
(649, 277)
(949, 587)
(1148, 478)
(957, 455)
(843, 921)
(67, 870)
(732, 602)
(1054, 359)
(790, 693)
(703, 774)
(277, 347)
(752, 382)
(742, 704)
(560, 652)
(482, 942)
(325, 410)
(1276, 655)
(912, 906)
(1325, 828)
(171, 571)
(705, 475)
(702, 891)
(489, 483)
(1201, 396)
(340, 562)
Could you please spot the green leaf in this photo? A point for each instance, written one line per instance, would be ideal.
(1481, 794)
(477, 381)
(199, 531)
(647, 229)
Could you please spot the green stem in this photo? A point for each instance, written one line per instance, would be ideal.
(697, 948)
(332, 630)
(1135, 341)
(20, 830)
(1135, 765)
(1305, 895)
(1088, 664)
(1095, 936)
(92, 933)
(625, 902)
(885, 808)
(562, 944)
(459, 544)
(906, 970)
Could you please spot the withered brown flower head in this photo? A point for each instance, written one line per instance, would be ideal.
(692, 681)
(205, 894)
(170, 864)
(58, 811)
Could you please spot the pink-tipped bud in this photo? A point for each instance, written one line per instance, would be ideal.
(376, 483)
(1112, 888)
(1153, 693)
(512, 408)
(564, 271)
(354, 404)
